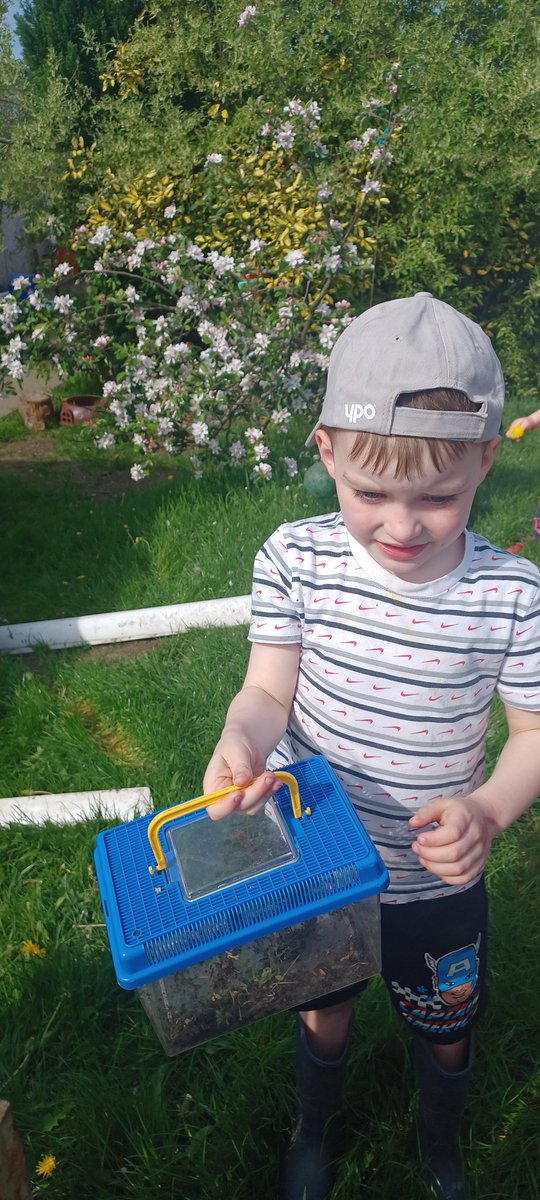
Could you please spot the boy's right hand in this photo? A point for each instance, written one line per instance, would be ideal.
(234, 764)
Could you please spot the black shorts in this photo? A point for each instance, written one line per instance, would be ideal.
(433, 964)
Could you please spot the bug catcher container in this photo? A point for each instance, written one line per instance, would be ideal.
(219, 923)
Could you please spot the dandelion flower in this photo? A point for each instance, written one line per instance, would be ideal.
(516, 431)
(46, 1165)
(29, 949)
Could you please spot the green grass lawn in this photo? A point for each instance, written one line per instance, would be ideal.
(79, 1062)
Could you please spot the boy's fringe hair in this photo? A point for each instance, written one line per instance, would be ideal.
(377, 451)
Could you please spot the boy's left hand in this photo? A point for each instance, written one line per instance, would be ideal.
(457, 849)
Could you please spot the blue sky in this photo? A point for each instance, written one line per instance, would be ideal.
(14, 6)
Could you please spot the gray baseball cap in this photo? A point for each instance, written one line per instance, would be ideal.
(411, 345)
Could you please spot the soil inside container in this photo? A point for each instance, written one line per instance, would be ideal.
(285, 968)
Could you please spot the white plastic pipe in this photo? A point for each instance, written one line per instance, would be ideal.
(66, 808)
(132, 625)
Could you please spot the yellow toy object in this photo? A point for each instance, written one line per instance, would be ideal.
(516, 431)
(189, 806)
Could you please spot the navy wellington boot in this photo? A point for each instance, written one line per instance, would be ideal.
(442, 1100)
(309, 1170)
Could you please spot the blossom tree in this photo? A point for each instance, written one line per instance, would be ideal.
(204, 352)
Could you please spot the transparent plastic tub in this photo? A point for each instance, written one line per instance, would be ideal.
(289, 967)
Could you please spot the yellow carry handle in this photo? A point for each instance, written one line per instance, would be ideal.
(189, 806)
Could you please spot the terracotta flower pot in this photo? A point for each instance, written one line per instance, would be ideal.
(80, 410)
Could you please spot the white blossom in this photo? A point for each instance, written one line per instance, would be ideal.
(371, 185)
(294, 258)
(263, 470)
(291, 466)
(213, 158)
(63, 268)
(175, 352)
(331, 262)
(106, 441)
(280, 416)
(62, 305)
(237, 452)
(253, 435)
(200, 433)
(246, 15)
(102, 235)
(169, 212)
(9, 312)
(102, 341)
(222, 263)
(131, 294)
(328, 336)
(284, 136)
(137, 472)
(195, 252)
(381, 155)
(20, 283)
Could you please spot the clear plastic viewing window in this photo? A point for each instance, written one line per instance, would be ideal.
(209, 855)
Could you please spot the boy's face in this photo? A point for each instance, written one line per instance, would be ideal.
(411, 527)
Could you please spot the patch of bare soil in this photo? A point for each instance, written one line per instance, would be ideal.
(36, 457)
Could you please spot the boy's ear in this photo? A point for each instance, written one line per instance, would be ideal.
(326, 451)
(490, 450)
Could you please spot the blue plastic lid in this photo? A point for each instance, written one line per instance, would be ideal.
(154, 930)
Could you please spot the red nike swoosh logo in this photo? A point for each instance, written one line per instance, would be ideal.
(397, 763)
(319, 599)
(495, 628)
(419, 621)
(425, 766)
(471, 628)
(380, 688)
(371, 756)
(408, 693)
(448, 624)
(342, 602)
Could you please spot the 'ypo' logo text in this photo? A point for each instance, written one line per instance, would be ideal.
(355, 412)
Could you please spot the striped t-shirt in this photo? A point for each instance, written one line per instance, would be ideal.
(396, 679)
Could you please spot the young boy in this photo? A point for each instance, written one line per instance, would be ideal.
(380, 635)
